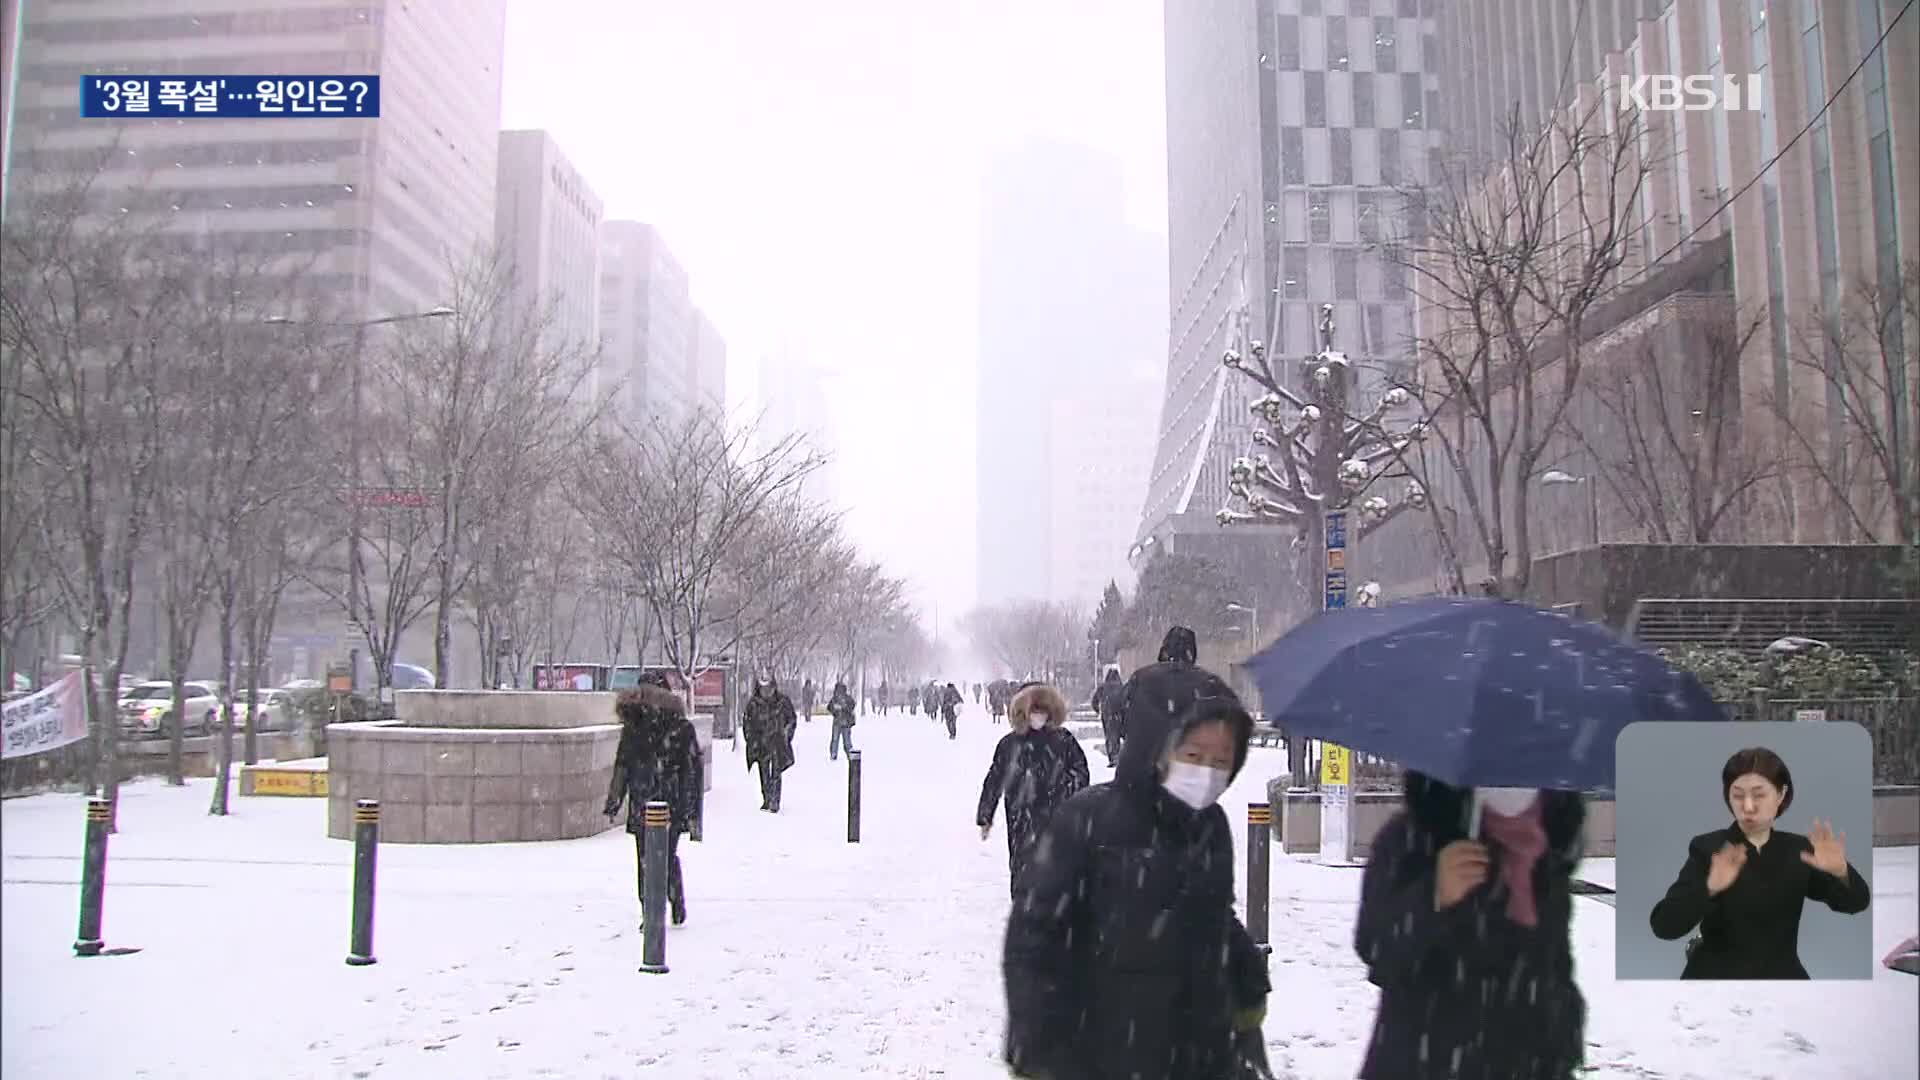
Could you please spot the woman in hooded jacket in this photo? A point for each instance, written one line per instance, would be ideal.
(1124, 959)
(1469, 940)
(658, 759)
(1036, 767)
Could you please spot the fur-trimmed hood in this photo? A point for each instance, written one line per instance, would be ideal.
(1042, 695)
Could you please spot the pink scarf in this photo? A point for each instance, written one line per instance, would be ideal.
(1522, 840)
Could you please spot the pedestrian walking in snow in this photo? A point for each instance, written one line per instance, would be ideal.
(976, 693)
(768, 723)
(913, 700)
(806, 700)
(1036, 767)
(882, 698)
(1179, 647)
(930, 701)
(950, 702)
(1469, 939)
(658, 759)
(1109, 702)
(840, 707)
(1123, 956)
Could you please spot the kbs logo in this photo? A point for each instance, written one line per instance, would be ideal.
(1693, 93)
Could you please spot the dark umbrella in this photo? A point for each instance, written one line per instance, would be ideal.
(1473, 692)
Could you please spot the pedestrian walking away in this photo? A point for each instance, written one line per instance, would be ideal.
(1036, 768)
(840, 707)
(1469, 939)
(1180, 647)
(806, 700)
(882, 698)
(658, 760)
(1109, 702)
(950, 702)
(1123, 956)
(768, 723)
(930, 701)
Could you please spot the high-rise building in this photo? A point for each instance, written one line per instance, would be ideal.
(1787, 215)
(1291, 127)
(1097, 481)
(380, 207)
(547, 226)
(1069, 298)
(793, 403)
(646, 322)
(709, 374)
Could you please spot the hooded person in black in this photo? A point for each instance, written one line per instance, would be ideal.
(840, 707)
(1124, 959)
(1476, 982)
(658, 760)
(950, 702)
(768, 722)
(1179, 647)
(1110, 702)
(1036, 767)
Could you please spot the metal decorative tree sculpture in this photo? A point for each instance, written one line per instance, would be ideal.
(1328, 457)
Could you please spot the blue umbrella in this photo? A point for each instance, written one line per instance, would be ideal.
(1475, 693)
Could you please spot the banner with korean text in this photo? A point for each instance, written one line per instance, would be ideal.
(46, 720)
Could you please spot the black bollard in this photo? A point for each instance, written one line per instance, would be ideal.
(93, 877)
(653, 899)
(1259, 849)
(366, 851)
(853, 796)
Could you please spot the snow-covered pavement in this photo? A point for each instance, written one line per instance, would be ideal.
(805, 956)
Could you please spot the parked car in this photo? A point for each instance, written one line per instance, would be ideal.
(411, 677)
(276, 706)
(145, 708)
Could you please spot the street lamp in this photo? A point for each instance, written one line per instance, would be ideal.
(1556, 478)
(1253, 618)
(359, 327)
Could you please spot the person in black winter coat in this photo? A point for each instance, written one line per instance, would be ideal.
(768, 723)
(1469, 940)
(658, 760)
(1110, 702)
(1179, 647)
(950, 702)
(1744, 886)
(1124, 959)
(806, 699)
(1036, 767)
(840, 707)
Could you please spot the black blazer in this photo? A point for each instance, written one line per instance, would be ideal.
(1752, 929)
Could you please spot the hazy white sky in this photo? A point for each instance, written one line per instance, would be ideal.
(816, 165)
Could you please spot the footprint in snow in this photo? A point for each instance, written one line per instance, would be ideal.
(1796, 1041)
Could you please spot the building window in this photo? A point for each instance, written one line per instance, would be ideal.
(1363, 100)
(1411, 98)
(1286, 46)
(1293, 271)
(1319, 217)
(1342, 155)
(1337, 58)
(1346, 274)
(1369, 218)
(1385, 57)
(1389, 157)
(1316, 95)
(1293, 157)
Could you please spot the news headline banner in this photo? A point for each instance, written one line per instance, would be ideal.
(255, 97)
(47, 720)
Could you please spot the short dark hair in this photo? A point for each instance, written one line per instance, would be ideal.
(1763, 762)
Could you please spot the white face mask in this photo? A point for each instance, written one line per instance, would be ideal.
(1508, 801)
(1036, 721)
(1196, 785)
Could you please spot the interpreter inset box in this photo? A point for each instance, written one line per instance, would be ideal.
(1744, 851)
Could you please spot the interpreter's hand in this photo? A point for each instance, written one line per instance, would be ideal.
(1461, 868)
(986, 831)
(1829, 852)
(1725, 868)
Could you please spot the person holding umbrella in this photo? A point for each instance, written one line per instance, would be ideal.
(1469, 938)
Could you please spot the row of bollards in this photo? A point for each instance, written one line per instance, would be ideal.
(366, 849)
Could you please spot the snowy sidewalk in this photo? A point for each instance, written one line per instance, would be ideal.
(805, 956)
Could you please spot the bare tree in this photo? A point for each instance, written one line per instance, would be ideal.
(90, 318)
(27, 595)
(1509, 268)
(1027, 637)
(675, 508)
(1665, 433)
(1858, 442)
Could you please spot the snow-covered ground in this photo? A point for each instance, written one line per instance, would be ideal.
(805, 956)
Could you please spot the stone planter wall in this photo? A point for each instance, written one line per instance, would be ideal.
(448, 785)
(1296, 821)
